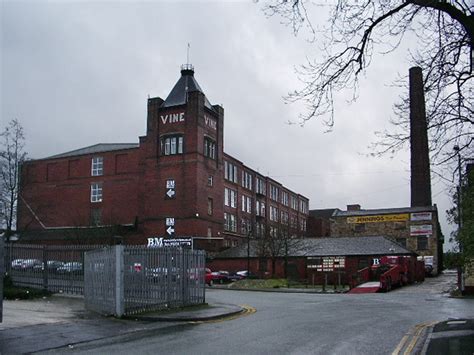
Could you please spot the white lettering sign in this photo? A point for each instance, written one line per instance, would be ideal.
(170, 184)
(163, 242)
(172, 118)
(376, 262)
(210, 122)
(169, 221)
(425, 229)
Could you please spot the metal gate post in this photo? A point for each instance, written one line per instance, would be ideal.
(119, 281)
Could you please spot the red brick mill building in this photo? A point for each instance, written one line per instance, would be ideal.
(176, 182)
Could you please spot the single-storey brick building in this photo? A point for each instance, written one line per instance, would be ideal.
(310, 259)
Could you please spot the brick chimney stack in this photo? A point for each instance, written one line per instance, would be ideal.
(420, 159)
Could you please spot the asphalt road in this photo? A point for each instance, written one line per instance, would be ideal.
(287, 323)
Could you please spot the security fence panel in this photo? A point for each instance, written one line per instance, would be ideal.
(160, 278)
(2, 274)
(56, 268)
(99, 280)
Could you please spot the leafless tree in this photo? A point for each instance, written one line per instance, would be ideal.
(278, 243)
(355, 30)
(12, 155)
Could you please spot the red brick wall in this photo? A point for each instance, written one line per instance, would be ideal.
(57, 191)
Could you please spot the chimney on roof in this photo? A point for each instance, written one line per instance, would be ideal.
(420, 159)
(355, 207)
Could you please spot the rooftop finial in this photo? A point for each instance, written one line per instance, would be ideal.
(187, 69)
(187, 57)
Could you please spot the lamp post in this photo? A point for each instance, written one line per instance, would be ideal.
(458, 190)
(459, 212)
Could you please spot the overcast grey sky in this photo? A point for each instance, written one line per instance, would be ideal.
(79, 73)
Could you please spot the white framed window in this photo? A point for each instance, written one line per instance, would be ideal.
(172, 145)
(230, 222)
(274, 193)
(230, 198)
(230, 171)
(246, 204)
(260, 208)
(210, 180)
(96, 192)
(284, 217)
(303, 225)
(97, 167)
(260, 186)
(303, 206)
(294, 202)
(209, 148)
(246, 180)
(273, 214)
(284, 198)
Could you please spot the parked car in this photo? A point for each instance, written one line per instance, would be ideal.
(220, 277)
(208, 277)
(72, 267)
(25, 264)
(245, 274)
(16, 264)
(235, 277)
(53, 266)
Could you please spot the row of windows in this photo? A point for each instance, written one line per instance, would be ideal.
(422, 242)
(172, 145)
(230, 225)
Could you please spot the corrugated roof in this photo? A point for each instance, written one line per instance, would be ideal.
(371, 212)
(96, 148)
(185, 84)
(340, 246)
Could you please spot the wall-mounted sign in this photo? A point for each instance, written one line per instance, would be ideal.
(423, 229)
(172, 118)
(170, 189)
(170, 226)
(379, 218)
(421, 216)
(210, 122)
(160, 242)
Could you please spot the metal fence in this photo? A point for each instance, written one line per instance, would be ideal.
(56, 268)
(2, 273)
(128, 280)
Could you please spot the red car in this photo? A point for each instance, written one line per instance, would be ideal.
(208, 277)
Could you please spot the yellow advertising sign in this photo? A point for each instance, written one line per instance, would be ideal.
(379, 218)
